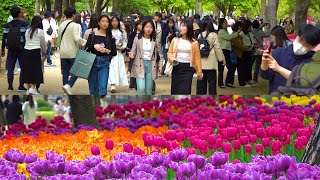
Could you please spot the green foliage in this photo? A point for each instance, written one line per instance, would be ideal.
(44, 108)
(48, 115)
(126, 6)
(42, 104)
(28, 5)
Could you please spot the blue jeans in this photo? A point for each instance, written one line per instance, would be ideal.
(11, 63)
(165, 57)
(48, 52)
(66, 65)
(144, 85)
(99, 75)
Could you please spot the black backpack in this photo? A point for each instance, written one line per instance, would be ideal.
(50, 31)
(204, 46)
(293, 86)
(14, 38)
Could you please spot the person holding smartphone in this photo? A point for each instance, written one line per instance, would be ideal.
(276, 65)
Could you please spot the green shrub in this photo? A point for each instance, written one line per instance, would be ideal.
(44, 108)
(42, 103)
(28, 5)
(48, 115)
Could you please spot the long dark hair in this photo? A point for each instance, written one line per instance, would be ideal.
(221, 21)
(118, 19)
(29, 98)
(207, 25)
(110, 26)
(94, 19)
(77, 18)
(153, 34)
(280, 34)
(190, 33)
(245, 27)
(168, 21)
(36, 23)
(136, 24)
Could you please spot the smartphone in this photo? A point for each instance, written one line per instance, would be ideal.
(269, 49)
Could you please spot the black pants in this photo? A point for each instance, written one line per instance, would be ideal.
(133, 82)
(11, 63)
(258, 60)
(209, 77)
(247, 57)
(220, 73)
(241, 66)
(231, 67)
(181, 80)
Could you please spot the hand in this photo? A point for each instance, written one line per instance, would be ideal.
(105, 50)
(265, 56)
(130, 54)
(3, 54)
(200, 76)
(160, 70)
(224, 62)
(97, 47)
(273, 64)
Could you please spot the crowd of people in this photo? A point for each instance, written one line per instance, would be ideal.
(135, 51)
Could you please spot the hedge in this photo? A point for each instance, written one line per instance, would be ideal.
(28, 5)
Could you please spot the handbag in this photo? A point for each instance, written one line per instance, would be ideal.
(83, 62)
(169, 66)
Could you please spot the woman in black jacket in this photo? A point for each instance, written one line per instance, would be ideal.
(167, 35)
(133, 34)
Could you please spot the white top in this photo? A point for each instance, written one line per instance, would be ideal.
(184, 50)
(55, 27)
(66, 115)
(146, 46)
(29, 113)
(58, 109)
(37, 41)
(46, 26)
(71, 39)
(116, 33)
(10, 18)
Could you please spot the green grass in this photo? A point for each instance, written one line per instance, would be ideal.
(48, 115)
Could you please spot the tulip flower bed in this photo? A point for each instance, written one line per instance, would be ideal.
(191, 138)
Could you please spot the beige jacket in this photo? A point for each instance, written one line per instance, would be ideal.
(138, 61)
(216, 54)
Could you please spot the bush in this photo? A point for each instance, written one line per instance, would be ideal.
(44, 108)
(42, 104)
(28, 5)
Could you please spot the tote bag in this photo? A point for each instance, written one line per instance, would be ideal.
(83, 63)
(169, 66)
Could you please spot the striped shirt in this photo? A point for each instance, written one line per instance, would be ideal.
(14, 23)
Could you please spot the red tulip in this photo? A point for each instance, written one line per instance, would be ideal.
(259, 148)
(253, 139)
(265, 142)
(232, 132)
(276, 145)
(226, 147)
(109, 144)
(127, 147)
(95, 150)
(261, 133)
(244, 140)
(248, 148)
(277, 131)
(236, 145)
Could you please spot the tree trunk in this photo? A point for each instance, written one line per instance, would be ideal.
(272, 12)
(91, 6)
(99, 7)
(48, 5)
(37, 10)
(58, 6)
(73, 4)
(312, 153)
(65, 4)
(115, 5)
(264, 9)
(83, 109)
(302, 7)
(200, 8)
(3, 120)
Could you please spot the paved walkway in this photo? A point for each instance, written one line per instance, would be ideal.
(53, 84)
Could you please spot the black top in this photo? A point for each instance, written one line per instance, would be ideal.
(131, 39)
(14, 112)
(106, 41)
(14, 23)
(165, 33)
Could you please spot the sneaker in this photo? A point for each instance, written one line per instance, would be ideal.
(50, 65)
(195, 75)
(67, 89)
(33, 91)
(113, 89)
(222, 87)
(231, 85)
(15, 73)
(22, 89)
(19, 70)
(251, 83)
(10, 88)
(5, 73)
(246, 86)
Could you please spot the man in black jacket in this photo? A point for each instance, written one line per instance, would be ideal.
(14, 110)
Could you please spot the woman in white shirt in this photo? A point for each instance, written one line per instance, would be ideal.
(117, 73)
(29, 109)
(147, 58)
(32, 73)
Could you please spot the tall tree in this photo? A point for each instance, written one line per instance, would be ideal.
(264, 9)
(101, 5)
(48, 5)
(115, 5)
(72, 3)
(83, 109)
(58, 6)
(37, 10)
(91, 5)
(65, 4)
(272, 12)
(302, 7)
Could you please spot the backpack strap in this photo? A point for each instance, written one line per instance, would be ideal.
(316, 83)
(294, 73)
(65, 29)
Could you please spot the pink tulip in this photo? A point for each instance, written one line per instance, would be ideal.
(244, 140)
(276, 145)
(109, 144)
(222, 123)
(248, 148)
(317, 108)
(261, 133)
(253, 139)
(226, 147)
(95, 150)
(127, 147)
(138, 151)
(259, 148)
(170, 135)
(191, 151)
(212, 139)
(180, 137)
(269, 131)
(265, 142)
(301, 142)
(236, 144)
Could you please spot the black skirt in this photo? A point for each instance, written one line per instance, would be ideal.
(31, 69)
(181, 82)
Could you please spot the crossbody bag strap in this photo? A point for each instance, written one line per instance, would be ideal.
(65, 29)
(176, 47)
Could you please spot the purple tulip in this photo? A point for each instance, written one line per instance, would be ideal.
(156, 159)
(38, 168)
(187, 169)
(56, 168)
(14, 156)
(30, 158)
(76, 168)
(53, 157)
(92, 161)
(219, 159)
(178, 155)
(160, 173)
(124, 167)
(199, 161)
(143, 167)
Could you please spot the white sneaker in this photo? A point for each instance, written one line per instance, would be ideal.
(113, 89)
(195, 75)
(18, 69)
(5, 73)
(33, 91)
(67, 89)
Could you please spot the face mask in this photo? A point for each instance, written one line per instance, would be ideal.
(298, 49)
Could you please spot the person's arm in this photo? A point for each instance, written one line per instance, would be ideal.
(77, 35)
(273, 64)
(4, 40)
(171, 50)
(164, 36)
(134, 48)
(24, 107)
(160, 63)
(197, 60)
(43, 43)
(265, 72)
(130, 40)
(215, 44)
(226, 36)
